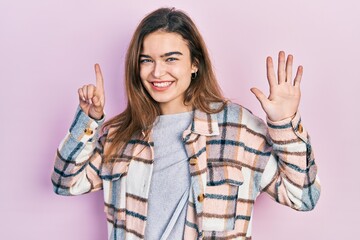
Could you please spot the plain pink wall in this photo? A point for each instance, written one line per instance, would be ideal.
(47, 51)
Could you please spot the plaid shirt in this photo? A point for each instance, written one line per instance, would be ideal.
(233, 157)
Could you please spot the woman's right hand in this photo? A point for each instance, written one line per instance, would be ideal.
(92, 98)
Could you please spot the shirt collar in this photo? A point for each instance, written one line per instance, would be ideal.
(205, 123)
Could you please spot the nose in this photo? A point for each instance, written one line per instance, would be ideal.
(159, 70)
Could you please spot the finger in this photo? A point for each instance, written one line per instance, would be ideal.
(99, 78)
(84, 90)
(259, 95)
(90, 92)
(288, 70)
(81, 95)
(270, 72)
(281, 67)
(298, 76)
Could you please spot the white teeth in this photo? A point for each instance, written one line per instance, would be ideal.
(162, 84)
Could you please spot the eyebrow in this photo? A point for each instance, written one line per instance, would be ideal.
(164, 55)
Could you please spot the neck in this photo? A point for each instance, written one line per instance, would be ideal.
(170, 109)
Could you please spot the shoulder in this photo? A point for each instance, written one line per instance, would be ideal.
(231, 111)
(237, 114)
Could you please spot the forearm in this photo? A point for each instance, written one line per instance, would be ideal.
(290, 176)
(77, 157)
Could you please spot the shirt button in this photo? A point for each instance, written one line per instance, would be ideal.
(193, 161)
(300, 128)
(201, 197)
(88, 131)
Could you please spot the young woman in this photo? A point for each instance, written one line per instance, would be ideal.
(182, 162)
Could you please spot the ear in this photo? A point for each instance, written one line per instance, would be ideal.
(194, 66)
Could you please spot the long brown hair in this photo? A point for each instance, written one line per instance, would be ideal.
(142, 110)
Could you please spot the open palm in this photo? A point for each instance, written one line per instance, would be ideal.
(284, 97)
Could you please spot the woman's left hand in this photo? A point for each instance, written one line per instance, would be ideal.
(284, 97)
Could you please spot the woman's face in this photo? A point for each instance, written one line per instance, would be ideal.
(165, 70)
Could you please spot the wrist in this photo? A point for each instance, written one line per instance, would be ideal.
(97, 118)
(281, 119)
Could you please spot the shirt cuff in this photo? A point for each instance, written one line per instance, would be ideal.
(287, 129)
(83, 127)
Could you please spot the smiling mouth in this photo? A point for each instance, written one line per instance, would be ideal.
(161, 84)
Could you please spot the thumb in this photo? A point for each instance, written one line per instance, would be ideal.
(97, 105)
(96, 101)
(259, 95)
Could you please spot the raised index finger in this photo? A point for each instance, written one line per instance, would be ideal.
(99, 78)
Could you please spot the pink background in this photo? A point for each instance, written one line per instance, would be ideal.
(47, 51)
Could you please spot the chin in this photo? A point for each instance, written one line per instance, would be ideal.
(161, 100)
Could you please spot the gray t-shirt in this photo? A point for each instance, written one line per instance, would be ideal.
(171, 175)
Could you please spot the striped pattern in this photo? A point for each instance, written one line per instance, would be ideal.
(237, 156)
